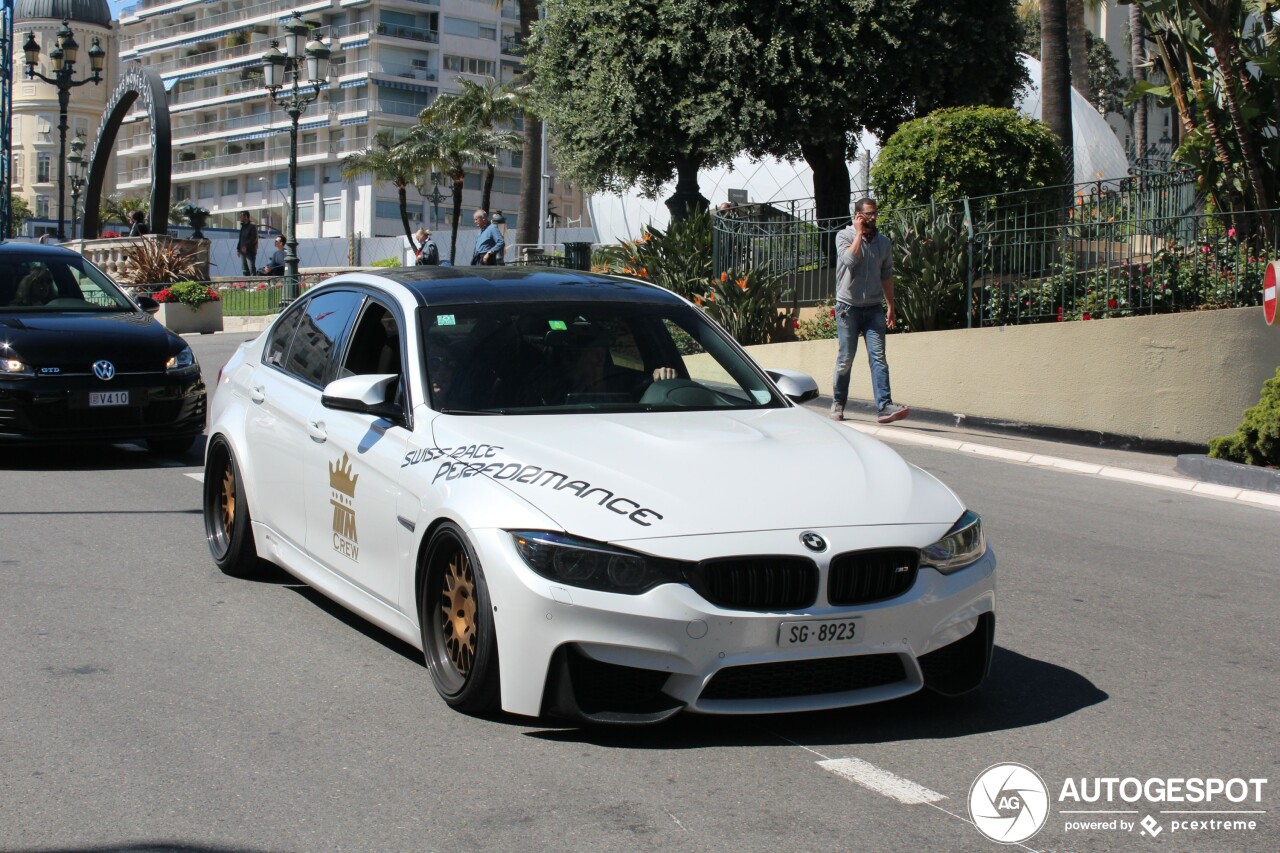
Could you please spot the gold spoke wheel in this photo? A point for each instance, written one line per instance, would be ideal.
(458, 613)
(228, 500)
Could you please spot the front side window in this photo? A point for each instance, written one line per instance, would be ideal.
(549, 358)
(320, 327)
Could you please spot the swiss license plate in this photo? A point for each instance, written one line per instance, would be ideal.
(108, 398)
(818, 633)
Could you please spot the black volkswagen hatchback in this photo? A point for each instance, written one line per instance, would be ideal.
(82, 362)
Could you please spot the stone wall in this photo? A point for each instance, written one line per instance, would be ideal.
(1176, 377)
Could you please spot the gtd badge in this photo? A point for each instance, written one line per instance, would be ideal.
(104, 370)
(813, 541)
(49, 370)
(1009, 803)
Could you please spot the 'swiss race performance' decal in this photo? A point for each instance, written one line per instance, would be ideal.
(460, 463)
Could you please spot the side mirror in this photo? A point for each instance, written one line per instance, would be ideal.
(798, 387)
(365, 394)
(146, 303)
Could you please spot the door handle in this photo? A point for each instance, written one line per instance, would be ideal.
(318, 433)
(257, 393)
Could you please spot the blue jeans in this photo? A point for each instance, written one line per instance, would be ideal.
(869, 322)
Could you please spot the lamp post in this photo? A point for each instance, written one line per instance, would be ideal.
(62, 62)
(435, 198)
(75, 172)
(294, 77)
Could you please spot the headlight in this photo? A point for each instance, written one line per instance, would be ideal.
(963, 546)
(184, 360)
(10, 367)
(592, 565)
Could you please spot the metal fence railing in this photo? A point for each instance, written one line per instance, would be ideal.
(1138, 244)
(248, 296)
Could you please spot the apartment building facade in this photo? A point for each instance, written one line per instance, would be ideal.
(391, 58)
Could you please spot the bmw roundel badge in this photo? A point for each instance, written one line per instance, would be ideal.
(813, 541)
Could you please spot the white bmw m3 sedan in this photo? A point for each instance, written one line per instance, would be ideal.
(582, 499)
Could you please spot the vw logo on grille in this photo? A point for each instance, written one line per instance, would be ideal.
(813, 541)
(104, 370)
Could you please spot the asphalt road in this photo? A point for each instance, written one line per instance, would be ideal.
(151, 703)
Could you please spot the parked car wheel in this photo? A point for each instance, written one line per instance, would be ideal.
(226, 515)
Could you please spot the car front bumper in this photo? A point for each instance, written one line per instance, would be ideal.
(57, 411)
(609, 657)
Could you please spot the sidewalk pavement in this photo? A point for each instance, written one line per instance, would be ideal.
(1025, 448)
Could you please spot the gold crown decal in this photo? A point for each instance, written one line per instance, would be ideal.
(340, 477)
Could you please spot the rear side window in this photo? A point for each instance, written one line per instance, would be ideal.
(320, 328)
(282, 336)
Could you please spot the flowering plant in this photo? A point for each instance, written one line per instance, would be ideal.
(190, 209)
(191, 293)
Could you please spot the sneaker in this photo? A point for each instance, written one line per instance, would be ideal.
(892, 412)
(837, 411)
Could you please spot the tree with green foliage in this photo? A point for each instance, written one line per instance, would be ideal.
(828, 68)
(638, 91)
(386, 160)
(965, 152)
(1106, 87)
(449, 148)
(1221, 60)
(487, 106)
(19, 213)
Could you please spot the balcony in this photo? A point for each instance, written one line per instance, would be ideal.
(411, 33)
(513, 45)
(238, 20)
(276, 155)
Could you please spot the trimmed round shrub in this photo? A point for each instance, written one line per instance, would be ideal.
(1257, 440)
(963, 152)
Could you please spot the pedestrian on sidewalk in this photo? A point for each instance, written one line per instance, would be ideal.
(864, 307)
(247, 244)
(489, 243)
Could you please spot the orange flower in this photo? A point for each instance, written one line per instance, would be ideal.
(711, 296)
(697, 300)
(644, 272)
(742, 283)
(724, 276)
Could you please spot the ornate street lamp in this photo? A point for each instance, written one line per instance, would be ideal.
(435, 198)
(294, 77)
(75, 172)
(62, 62)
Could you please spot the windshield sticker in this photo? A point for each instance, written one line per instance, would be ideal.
(343, 497)
(558, 325)
(445, 320)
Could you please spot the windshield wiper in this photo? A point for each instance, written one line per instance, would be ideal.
(473, 411)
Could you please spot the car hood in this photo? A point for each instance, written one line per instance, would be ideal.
(132, 339)
(618, 477)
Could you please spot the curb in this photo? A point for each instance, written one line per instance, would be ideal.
(1227, 473)
(1065, 435)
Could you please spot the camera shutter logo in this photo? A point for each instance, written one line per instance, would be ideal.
(104, 370)
(1009, 803)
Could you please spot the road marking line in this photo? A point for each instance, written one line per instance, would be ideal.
(881, 781)
(199, 478)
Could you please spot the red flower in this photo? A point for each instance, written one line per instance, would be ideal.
(833, 312)
(1087, 316)
(1111, 303)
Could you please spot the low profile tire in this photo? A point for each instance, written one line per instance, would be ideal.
(173, 446)
(226, 515)
(458, 637)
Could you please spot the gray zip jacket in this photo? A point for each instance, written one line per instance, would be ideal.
(858, 277)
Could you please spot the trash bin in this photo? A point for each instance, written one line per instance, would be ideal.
(577, 256)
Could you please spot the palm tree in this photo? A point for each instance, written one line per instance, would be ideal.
(386, 160)
(1138, 70)
(531, 163)
(488, 106)
(1079, 45)
(448, 149)
(1055, 77)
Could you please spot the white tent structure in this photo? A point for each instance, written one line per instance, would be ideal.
(622, 216)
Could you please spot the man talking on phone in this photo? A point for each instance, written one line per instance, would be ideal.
(864, 307)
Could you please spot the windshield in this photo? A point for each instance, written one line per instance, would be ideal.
(559, 357)
(56, 283)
